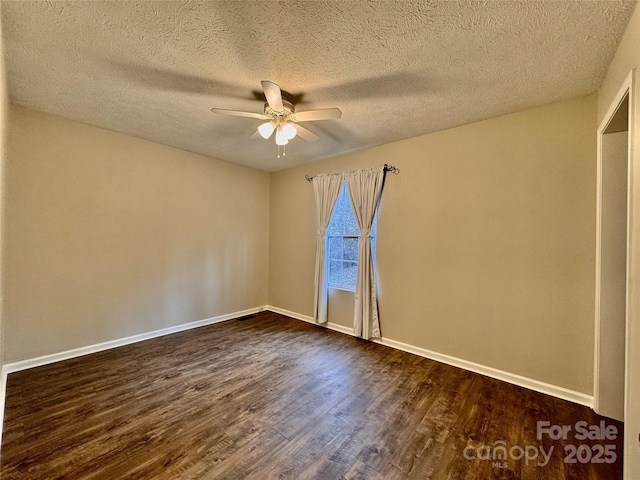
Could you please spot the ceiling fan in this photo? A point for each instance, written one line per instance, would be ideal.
(281, 117)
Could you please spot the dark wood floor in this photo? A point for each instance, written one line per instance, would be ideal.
(274, 398)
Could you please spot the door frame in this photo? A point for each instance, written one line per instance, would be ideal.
(623, 92)
(632, 307)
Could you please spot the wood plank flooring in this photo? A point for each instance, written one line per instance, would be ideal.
(274, 398)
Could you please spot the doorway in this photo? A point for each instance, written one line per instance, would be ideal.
(611, 261)
(617, 312)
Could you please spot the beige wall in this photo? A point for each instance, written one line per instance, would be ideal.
(110, 236)
(485, 242)
(627, 57)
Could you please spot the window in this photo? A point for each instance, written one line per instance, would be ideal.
(343, 235)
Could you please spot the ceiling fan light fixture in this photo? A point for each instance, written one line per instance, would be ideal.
(266, 130)
(281, 138)
(289, 131)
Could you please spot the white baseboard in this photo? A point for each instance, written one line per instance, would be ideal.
(78, 352)
(531, 384)
(306, 318)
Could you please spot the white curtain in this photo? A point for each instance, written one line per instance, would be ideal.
(365, 188)
(326, 189)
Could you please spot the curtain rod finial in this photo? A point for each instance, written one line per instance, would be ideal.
(308, 178)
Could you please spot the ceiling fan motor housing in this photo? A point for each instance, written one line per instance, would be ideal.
(287, 110)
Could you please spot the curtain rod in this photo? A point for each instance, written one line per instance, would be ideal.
(387, 168)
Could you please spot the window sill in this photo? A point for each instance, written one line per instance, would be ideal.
(344, 289)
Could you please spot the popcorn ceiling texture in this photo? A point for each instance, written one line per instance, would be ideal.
(153, 69)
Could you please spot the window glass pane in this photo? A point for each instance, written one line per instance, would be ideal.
(350, 223)
(335, 248)
(336, 223)
(335, 272)
(374, 232)
(349, 273)
(373, 250)
(350, 248)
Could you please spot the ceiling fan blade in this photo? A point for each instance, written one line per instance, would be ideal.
(323, 114)
(255, 135)
(306, 134)
(273, 94)
(237, 113)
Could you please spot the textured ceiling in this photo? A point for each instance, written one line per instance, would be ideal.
(153, 69)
